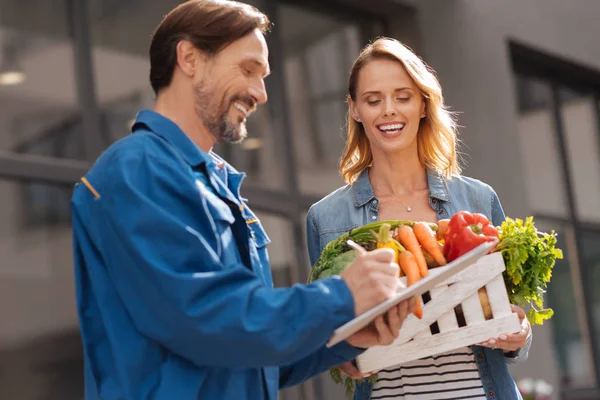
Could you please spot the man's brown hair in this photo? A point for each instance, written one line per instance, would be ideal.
(210, 25)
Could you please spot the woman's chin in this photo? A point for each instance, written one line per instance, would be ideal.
(397, 147)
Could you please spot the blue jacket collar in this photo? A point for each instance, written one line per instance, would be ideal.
(168, 130)
(363, 191)
(196, 157)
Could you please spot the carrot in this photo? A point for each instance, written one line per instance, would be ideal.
(408, 264)
(407, 238)
(427, 238)
(442, 228)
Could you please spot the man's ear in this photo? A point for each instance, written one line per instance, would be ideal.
(189, 58)
(352, 109)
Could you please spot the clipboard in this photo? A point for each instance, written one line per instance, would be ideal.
(422, 286)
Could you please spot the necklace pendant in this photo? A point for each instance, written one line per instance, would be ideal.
(409, 209)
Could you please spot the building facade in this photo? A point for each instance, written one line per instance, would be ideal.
(523, 74)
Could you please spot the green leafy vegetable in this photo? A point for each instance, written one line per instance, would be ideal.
(529, 256)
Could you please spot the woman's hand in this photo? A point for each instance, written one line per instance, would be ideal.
(511, 342)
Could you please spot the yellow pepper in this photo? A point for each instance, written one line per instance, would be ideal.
(385, 240)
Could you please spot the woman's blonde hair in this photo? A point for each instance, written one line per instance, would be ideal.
(436, 139)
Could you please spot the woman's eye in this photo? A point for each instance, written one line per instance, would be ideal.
(404, 98)
(372, 102)
(247, 71)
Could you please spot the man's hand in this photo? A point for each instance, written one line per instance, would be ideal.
(353, 372)
(372, 279)
(515, 341)
(385, 329)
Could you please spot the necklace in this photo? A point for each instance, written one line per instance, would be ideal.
(408, 208)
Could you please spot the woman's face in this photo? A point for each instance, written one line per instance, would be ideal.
(389, 105)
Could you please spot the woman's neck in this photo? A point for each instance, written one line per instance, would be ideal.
(398, 174)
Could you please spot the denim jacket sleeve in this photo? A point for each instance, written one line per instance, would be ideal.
(312, 238)
(519, 355)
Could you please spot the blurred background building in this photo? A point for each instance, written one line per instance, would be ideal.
(524, 74)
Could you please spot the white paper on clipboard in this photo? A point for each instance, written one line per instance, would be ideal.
(422, 286)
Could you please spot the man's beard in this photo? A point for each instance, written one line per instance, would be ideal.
(215, 117)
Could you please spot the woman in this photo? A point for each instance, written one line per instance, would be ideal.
(400, 162)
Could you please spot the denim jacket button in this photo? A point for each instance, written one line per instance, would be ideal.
(491, 393)
(480, 356)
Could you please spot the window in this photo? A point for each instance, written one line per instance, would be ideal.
(559, 142)
(40, 349)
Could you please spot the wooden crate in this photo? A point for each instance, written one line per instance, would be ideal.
(416, 341)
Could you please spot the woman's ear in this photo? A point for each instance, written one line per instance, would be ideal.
(423, 105)
(352, 109)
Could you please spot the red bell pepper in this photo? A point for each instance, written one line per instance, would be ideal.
(465, 232)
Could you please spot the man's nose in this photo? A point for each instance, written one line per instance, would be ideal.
(258, 92)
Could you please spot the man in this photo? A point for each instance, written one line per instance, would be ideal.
(174, 289)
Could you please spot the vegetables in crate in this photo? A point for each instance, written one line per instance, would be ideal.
(529, 256)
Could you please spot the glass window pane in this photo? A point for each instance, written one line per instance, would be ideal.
(38, 100)
(121, 36)
(590, 261)
(40, 351)
(538, 146)
(580, 125)
(572, 352)
(319, 52)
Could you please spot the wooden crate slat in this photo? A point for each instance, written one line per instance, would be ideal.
(425, 332)
(447, 322)
(416, 341)
(382, 357)
(474, 278)
(498, 297)
(472, 310)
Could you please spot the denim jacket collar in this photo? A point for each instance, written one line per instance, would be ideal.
(363, 191)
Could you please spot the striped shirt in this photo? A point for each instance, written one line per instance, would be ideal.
(452, 375)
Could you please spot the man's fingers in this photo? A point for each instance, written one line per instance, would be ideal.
(384, 255)
(350, 370)
(394, 320)
(412, 305)
(383, 331)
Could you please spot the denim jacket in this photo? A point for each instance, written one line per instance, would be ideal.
(355, 205)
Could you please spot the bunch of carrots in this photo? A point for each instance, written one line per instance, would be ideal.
(417, 249)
